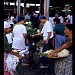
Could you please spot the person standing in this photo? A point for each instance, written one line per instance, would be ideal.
(19, 35)
(34, 18)
(8, 48)
(59, 37)
(27, 17)
(63, 66)
(47, 32)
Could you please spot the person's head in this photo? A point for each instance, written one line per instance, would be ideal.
(21, 14)
(56, 21)
(68, 29)
(5, 17)
(21, 20)
(6, 27)
(66, 21)
(27, 13)
(42, 19)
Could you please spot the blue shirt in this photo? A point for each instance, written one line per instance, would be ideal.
(59, 29)
(16, 19)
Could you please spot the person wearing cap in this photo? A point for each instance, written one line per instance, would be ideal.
(7, 46)
(47, 32)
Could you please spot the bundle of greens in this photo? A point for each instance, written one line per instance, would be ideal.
(63, 53)
(30, 29)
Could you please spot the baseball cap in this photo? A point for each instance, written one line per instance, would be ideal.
(6, 24)
(42, 17)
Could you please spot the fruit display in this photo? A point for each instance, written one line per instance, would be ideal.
(46, 52)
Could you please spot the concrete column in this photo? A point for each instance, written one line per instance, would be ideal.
(24, 9)
(18, 7)
(9, 8)
(47, 11)
(45, 2)
(5, 3)
(46, 8)
(15, 6)
(41, 6)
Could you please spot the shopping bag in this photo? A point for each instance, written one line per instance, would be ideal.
(12, 62)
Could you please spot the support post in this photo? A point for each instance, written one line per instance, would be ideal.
(46, 8)
(18, 7)
(15, 6)
(42, 6)
(47, 11)
(24, 9)
(45, 2)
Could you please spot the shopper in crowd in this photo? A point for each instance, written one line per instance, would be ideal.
(66, 21)
(34, 18)
(27, 17)
(70, 18)
(8, 48)
(56, 13)
(19, 35)
(9, 36)
(11, 20)
(20, 38)
(59, 37)
(63, 66)
(16, 19)
(21, 15)
(47, 32)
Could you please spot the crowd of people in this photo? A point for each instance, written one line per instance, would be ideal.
(57, 35)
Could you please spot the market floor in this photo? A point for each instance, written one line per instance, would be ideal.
(34, 70)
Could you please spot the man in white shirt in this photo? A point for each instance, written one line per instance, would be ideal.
(47, 32)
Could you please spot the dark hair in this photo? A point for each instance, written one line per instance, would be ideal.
(20, 18)
(56, 20)
(5, 16)
(69, 26)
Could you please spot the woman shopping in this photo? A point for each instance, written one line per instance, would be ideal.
(63, 66)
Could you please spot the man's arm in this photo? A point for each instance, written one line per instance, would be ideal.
(8, 48)
(36, 34)
(64, 46)
(46, 41)
(26, 39)
(49, 34)
(14, 53)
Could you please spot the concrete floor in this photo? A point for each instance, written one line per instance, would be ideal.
(35, 70)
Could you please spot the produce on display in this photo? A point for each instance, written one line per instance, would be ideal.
(63, 53)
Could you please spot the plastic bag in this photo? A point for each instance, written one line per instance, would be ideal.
(11, 62)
